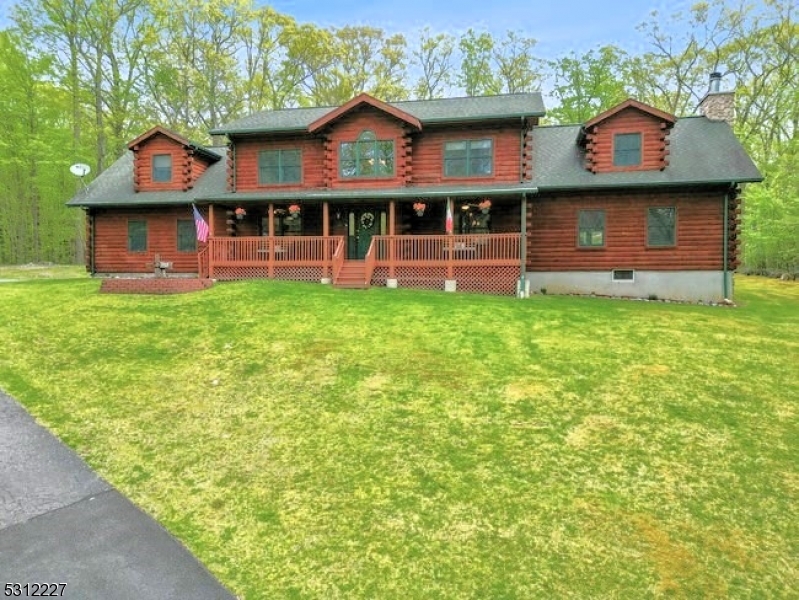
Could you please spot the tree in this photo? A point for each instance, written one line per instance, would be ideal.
(433, 57)
(193, 80)
(586, 85)
(516, 69)
(364, 60)
(477, 76)
(35, 154)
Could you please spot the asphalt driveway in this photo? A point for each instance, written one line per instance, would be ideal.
(61, 524)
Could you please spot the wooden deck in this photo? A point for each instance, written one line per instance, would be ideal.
(488, 263)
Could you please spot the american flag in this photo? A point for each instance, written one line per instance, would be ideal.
(200, 225)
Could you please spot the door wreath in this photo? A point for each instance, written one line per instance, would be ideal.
(367, 220)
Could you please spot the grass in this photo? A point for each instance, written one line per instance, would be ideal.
(42, 271)
(307, 442)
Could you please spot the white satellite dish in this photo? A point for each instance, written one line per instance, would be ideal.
(80, 169)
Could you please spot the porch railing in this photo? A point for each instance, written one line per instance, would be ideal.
(338, 258)
(202, 263)
(498, 249)
(271, 252)
(481, 257)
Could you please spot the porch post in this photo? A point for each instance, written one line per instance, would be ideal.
(392, 224)
(211, 241)
(270, 243)
(450, 285)
(325, 242)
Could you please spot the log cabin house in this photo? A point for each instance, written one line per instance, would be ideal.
(459, 194)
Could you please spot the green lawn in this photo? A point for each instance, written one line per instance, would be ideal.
(307, 442)
(42, 271)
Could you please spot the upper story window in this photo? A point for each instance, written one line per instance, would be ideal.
(162, 168)
(367, 157)
(591, 228)
(661, 226)
(279, 166)
(468, 158)
(626, 149)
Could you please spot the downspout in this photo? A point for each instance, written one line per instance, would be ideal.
(523, 248)
(523, 238)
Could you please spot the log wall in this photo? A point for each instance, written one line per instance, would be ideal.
(654, 141)
(552, 240)
(111, 240)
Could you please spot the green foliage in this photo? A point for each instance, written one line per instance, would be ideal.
(433, 58)
(586, 85)
(318, 443)
(771, 223)
(477, 76)
(35, 153)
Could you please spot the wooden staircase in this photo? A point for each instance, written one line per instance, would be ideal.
(352, 275)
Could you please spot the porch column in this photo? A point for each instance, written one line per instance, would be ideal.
(326, 242)
(392, 224)
(270, 243)
(211, 241)
(450, 285)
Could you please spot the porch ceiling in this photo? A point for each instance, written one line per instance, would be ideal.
(400, 193)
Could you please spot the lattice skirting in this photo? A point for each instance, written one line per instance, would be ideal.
(488, 280)
(485, 280)
(285, 273)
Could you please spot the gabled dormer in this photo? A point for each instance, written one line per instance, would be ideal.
(367, 142)
(631, 136)
(164, 160)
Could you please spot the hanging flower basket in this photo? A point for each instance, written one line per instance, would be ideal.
(240, 213)
(419, 207)
(485, 206)
(294, 210)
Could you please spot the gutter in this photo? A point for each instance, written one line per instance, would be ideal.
(641, 186)
(357, 195)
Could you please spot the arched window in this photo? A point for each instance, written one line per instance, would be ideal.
(366, 157)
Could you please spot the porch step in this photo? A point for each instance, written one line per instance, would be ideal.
(352, 275)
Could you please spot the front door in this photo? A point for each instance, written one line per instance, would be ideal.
(363, 224)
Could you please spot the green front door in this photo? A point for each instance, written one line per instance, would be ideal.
(363, 224)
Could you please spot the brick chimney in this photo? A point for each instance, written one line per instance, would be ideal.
(718, 105)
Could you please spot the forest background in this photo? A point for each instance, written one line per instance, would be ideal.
(80, 78)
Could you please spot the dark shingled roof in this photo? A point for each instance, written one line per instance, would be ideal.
(114, 186)
(701, 151)
(445, 110)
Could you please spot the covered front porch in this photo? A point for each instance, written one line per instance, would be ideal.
(358, 243)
